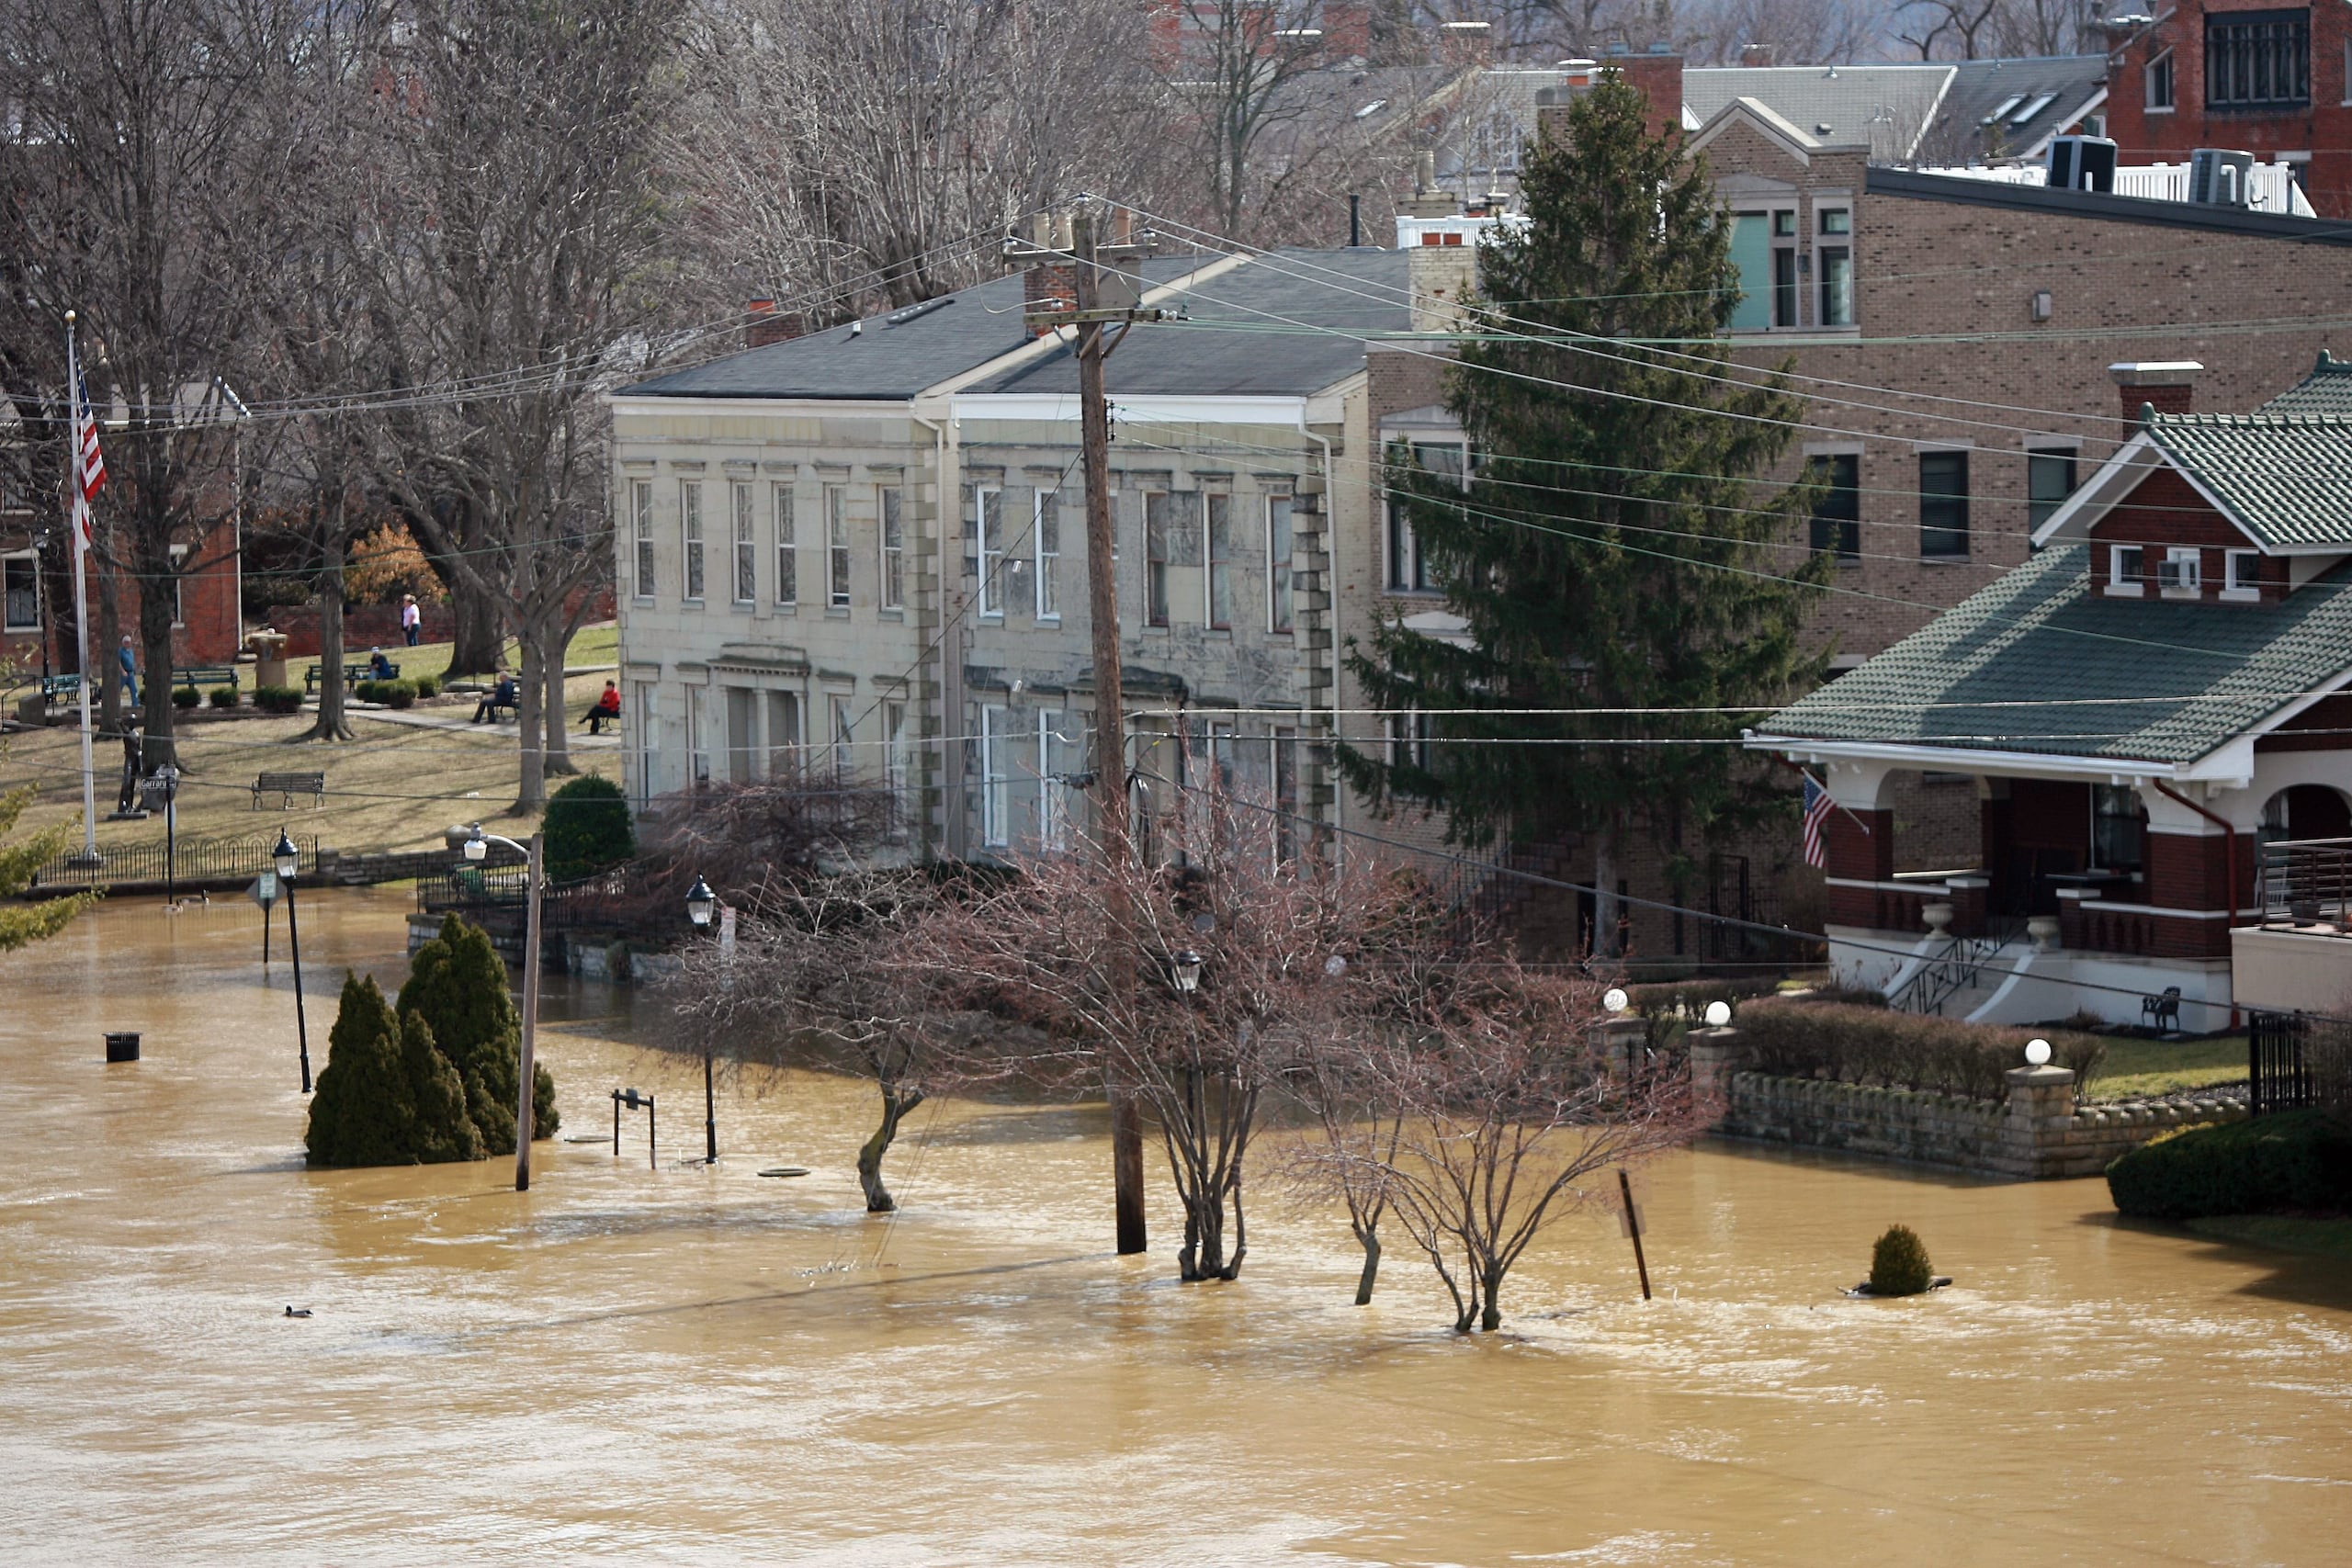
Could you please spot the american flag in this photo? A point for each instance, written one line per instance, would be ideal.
(89, 464)
(1817, 808)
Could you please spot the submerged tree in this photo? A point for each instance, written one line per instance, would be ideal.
(387, 1096)
(456, 985)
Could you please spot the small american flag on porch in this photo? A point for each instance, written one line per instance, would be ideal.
(1817, 806)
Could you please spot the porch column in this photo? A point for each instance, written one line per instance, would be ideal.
(1857, 843)
(2188, 862)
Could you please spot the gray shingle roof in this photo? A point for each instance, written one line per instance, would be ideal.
(1233, 343)
(2327, 390)
(2119, 672)
(2057, 88)
(1884, 106)
(2286, 479)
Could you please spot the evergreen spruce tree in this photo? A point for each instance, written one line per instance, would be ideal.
(1610, 550)
(456, 985)
(363, 1111)
(442, 1130)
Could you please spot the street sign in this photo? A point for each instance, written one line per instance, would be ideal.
(263, 891)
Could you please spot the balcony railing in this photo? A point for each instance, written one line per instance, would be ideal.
(2305, 885)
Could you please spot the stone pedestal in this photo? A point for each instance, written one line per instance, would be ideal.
(1715, 1055)
(2042, 1112)
(1620, 1042)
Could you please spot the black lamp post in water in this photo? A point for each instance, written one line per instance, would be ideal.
(701, 905)
(289, 861)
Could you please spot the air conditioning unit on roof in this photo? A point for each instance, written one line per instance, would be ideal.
(2081, 163)
(2220, 177)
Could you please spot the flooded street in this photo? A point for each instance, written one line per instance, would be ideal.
(690, 1366)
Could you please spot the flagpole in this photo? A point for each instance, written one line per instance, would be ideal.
(81, 529)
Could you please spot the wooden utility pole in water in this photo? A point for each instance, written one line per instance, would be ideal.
(1090, 314)
(1634, 1229)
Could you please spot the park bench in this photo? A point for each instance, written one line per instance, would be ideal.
(206, 675)
(61, 688)
(286, 786)
(2161, 1012)
(354, 672)
(491, 705)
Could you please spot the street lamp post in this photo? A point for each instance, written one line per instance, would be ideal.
(701, 905)
(289, 861)
(477, 849)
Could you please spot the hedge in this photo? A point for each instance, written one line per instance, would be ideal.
(2298, 1159)
(1841, 1041)
(587, 828)
(426, 686)
(278, 699)
(222, 696)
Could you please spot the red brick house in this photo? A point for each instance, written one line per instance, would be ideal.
(2159, 693)
(2229, 74)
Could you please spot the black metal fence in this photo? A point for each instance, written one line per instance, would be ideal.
(195, 860)
(498, 895)
(2297, 1059)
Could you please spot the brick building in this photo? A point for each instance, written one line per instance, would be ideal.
(2274, 80)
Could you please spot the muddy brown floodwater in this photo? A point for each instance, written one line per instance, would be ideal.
(693, 1366)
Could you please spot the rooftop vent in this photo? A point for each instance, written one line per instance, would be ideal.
(2081, 163)
(2220, 177)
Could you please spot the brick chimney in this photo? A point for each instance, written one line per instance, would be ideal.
(1428, 200)
(1049, 285)
(1659, 74)
(2164, 385)
(1755, 56)
(1465, 44)
(1347, 28)
(764, 324)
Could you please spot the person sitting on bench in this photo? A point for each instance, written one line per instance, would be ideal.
(499, 697)
(608, 710)
(378, 667)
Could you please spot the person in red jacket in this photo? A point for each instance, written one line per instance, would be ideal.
(606, 711)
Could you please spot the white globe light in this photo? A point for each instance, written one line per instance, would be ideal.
(2037, 1053)
(1718, 1014)
(1335, 966)
(1616, 999)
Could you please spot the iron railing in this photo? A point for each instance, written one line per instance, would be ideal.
(191, 860)
(2306, 885)
(2295, 1059)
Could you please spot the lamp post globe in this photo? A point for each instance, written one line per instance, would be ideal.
(478, 847)
(1718, 1014)
(701, 902)
(288, 858)
(1186, 966)
(2037, 1053)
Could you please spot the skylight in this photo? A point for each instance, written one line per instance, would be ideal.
(2007, 105)
(2035, 107)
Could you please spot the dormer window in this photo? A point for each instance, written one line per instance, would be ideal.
(2180, 575)
(2123, 570)
(2243, 575)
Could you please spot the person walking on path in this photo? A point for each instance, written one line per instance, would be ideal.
(411, 619)
(130, 670)
(606, 711)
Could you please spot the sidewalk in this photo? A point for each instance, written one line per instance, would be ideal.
(461, 720)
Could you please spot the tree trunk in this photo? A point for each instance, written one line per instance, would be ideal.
(156, 581)
(332, 725)
(1371, 1240)
(557, 762)
(895, 1108)
(1605, 907)
(481, 632)
(529, 697)
(57, 599)
(1490, 1316)
(100, 584)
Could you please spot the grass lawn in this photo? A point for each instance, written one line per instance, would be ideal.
(395, 787)
(2135, 1067)
(2283, 1233)
(598, 644)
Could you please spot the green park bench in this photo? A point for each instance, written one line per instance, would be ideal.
(61, 688)
(286, 786)
(198, 675)
(354, 672)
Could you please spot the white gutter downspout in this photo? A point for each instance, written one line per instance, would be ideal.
(1331, 574)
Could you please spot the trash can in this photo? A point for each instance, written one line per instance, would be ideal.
(123, 1047)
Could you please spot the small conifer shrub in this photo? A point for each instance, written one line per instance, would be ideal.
(1899, 1264)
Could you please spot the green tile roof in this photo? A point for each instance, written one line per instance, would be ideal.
(2327, 390)
(2150, 680)
(2287, 477)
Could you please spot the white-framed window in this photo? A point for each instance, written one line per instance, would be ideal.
(2048, 480)
(837, 546)
(2123, 571)
(2183, 569)
(747, 545)
(988, 507)
(1764, 252)
(890, 507)
(1408, 741)
(1052, 797)
(648, 713)
(742, 744)
(1833, 264)
(1220, 561)
(179, 585)
(1407, 572)
(996, 784)
(698, 748)
(640, 511)
(1943, 504)
(897, 760)
(844, 740)
(788, 548)
(690, 533)
(20, 586)
(1157, 520)
(1278, 568)
(2242, 574)
(1045, 535)
(2157, 87)
(784, 737)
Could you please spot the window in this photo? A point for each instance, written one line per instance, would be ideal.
(747, 547)
(690, 529)
(889, 506)
(1053, 801)
(2123, 570)
(742, 747)
(2117, 826)
(1157, 514)
(1407, 572)
(640, 508)
(2157, 84)
(1278, 554)
(1045, 532)
(697, 756)
(990, 505)
(1784, 269)
(1837, 516)
(837, 546)
(1834, 256)
(2048, 480)
(647, 749)
(996, 784)
(20, 576)
(844, 741)
(2242, 573)
(783, 735)
(2258, 59)
(1408, 741)
(2183, 569)
(788, 550)
(1751, 254)
(1220, 561)
(1943, 504)
(897, 764)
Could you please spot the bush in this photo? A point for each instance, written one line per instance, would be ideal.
(456, 986)
(2300, 1159)
(222, 696)
(426, 686)
(587, 828)
(1899, 1264)
(184, 697)
(368, 691)
(398, 694)
(278, 699)
(1802, 1039)
(1671, 999)
(387, 1096)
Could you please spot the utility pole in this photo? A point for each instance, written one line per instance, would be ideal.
(1094, 307)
